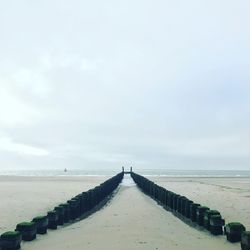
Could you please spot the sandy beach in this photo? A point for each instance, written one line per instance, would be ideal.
(131, 220)
(23, 198)
(231, 196)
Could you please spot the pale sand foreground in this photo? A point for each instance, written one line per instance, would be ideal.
(131, 220)
(22, 198)
(231, 196)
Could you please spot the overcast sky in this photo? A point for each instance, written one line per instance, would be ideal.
(101, 84)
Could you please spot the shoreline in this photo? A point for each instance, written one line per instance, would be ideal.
(108, 175)
(145, 172)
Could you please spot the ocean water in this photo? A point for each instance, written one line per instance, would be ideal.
(145, 172)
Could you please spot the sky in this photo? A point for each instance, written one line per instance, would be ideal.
(103, 84)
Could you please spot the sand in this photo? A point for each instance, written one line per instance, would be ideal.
(23, 198)
(131, 220)
(231, 196)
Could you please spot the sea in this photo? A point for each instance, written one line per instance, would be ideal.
(145, 172)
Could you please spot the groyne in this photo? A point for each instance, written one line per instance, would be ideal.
(78, 207)
(193, 213)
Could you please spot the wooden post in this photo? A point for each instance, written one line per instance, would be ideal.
(233, 231)
(28, 230)
(245, 240)
(10, 240)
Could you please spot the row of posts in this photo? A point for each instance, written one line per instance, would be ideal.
(200, 215)
(68, 212)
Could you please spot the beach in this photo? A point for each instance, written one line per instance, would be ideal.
(230, 196)
(130, 220)
(24, 197)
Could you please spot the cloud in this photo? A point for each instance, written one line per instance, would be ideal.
(167, 87)
(30, 80)
(13, 109)
(7, 144)
(220, 146)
